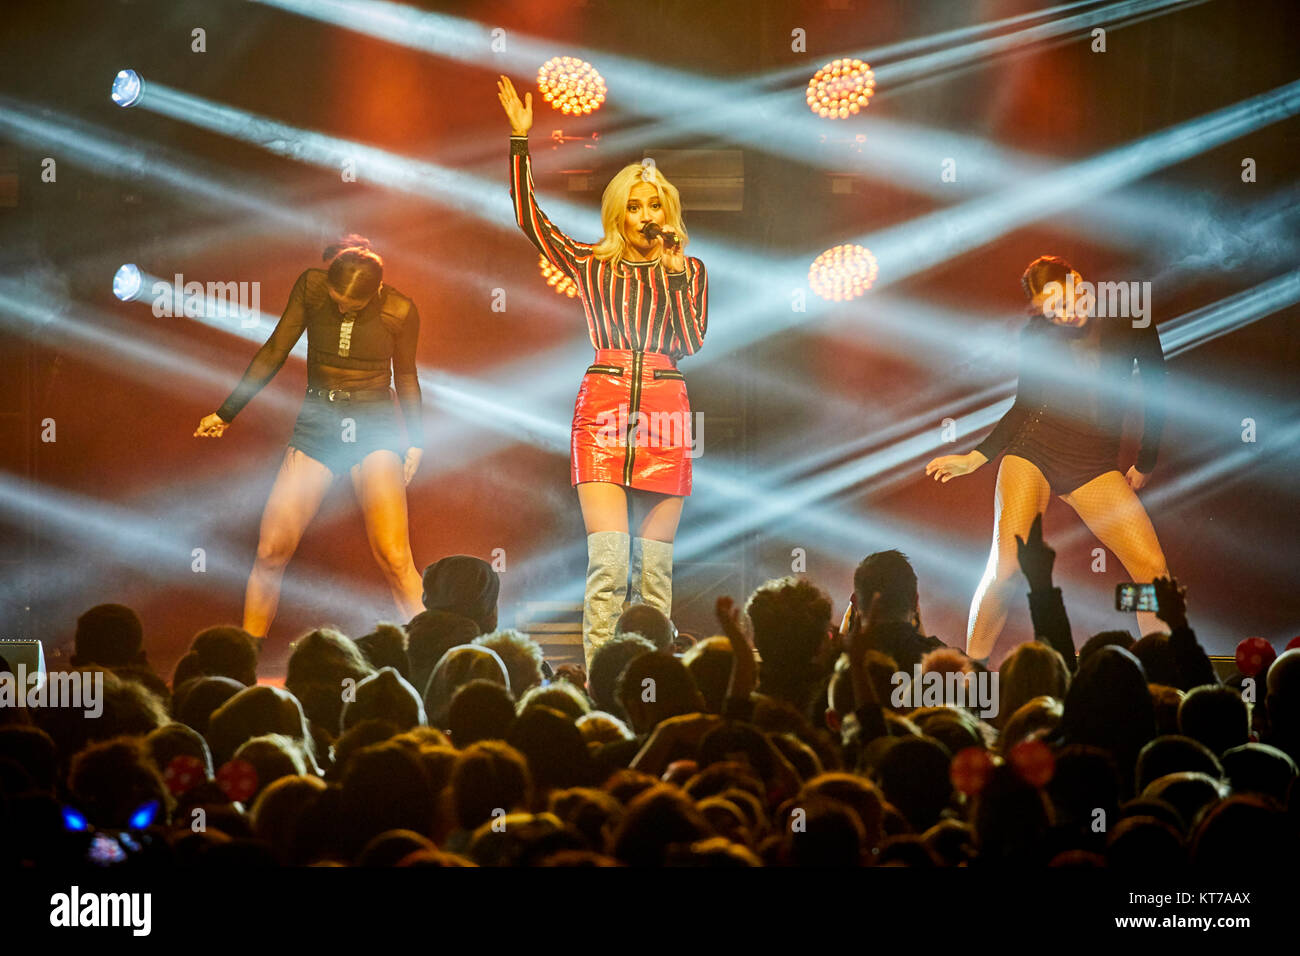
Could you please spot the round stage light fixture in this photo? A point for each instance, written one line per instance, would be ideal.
(127, 282)
(556, 279)
(128, 87)
(843, 272)
(571, 85)
(841, 88)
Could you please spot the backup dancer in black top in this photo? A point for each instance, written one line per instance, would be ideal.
(359, 332)
(1062, 436)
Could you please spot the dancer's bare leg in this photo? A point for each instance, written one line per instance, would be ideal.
(381, 492)
(294, 500)
(1112, 511)
(1022, 494)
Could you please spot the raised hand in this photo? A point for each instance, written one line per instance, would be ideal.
(1035, 557)
(743, 672)
(731, 622)
(1135, 478)
(519, 113)
(1171, 602)
(860, 628)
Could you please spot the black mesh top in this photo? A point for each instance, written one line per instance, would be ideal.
(1087, 390)
(358, 351)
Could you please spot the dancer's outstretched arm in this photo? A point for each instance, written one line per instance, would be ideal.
(269, 359)
(947, 467)
(271, 356)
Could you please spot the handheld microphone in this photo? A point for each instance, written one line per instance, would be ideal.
(652, 230)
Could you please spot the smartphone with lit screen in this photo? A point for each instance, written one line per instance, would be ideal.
(1135, 597)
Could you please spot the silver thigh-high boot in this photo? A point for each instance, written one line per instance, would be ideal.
(634, 576)
(652, 574)
(607, 561)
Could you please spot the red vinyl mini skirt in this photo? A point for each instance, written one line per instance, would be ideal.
(632, 423)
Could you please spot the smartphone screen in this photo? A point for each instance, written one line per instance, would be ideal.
(1135, 597)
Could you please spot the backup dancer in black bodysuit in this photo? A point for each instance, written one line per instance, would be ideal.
(359, 332)
(1062, 436)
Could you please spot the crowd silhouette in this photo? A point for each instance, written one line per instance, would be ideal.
(780, 741)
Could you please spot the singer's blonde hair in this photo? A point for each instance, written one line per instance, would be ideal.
(613, 208)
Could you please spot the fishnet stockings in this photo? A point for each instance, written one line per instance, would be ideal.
(1112, 511)
(1107, 505)
(1021, 494)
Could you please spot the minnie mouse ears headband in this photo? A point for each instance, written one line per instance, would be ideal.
(236, 778)
(1032, 761)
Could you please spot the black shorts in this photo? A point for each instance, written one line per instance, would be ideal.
(340, 434)
(1067, 456)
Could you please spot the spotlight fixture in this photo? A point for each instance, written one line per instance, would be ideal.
(127, 281)
(128, 87)
(843, 272)
(841, 89)
(571, 85)
(556, 279)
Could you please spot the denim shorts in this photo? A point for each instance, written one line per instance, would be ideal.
(340, 434)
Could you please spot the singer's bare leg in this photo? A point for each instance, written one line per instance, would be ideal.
(656, 516)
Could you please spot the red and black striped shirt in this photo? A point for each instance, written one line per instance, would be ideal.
(629, 305)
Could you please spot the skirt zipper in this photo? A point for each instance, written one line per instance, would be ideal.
(638, 359)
